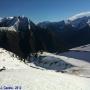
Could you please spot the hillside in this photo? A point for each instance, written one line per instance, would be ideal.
(31, 77)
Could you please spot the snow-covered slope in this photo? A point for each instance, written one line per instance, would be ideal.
(84, 48)
(18, 75)
(65, 63)
(8, 60)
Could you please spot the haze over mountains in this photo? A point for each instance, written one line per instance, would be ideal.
(47, 36)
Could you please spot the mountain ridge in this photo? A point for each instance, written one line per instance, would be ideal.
(21, 36)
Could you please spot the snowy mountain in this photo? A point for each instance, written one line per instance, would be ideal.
(46, 71)
(74, 31)
(80, 15)
(80, 20)
(14, 34)
(47, 36)
(15, 22)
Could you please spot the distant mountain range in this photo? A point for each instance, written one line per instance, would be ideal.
(77, 21)
(21, 36)
(74, 31)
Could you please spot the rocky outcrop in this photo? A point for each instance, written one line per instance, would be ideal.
(15, 38)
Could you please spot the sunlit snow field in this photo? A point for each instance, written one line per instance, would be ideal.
(51, 72)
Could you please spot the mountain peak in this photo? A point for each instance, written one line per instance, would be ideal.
(15, 22)
(80, 15)
(80, 20)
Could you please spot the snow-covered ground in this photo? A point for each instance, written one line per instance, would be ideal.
(9, 62)
(32, 77)
(66, 64)
(82, 48)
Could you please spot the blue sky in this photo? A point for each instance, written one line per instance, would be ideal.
(43, 10)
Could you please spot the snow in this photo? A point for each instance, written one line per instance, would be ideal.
(18, 73)
(10, 17)
(7, 28)
(9, 62)
(10, 20)
(14, 22)
(34, 79)
(80, 15)
(82, 48)
(80, 20)
(52, 63)
(73, 61)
